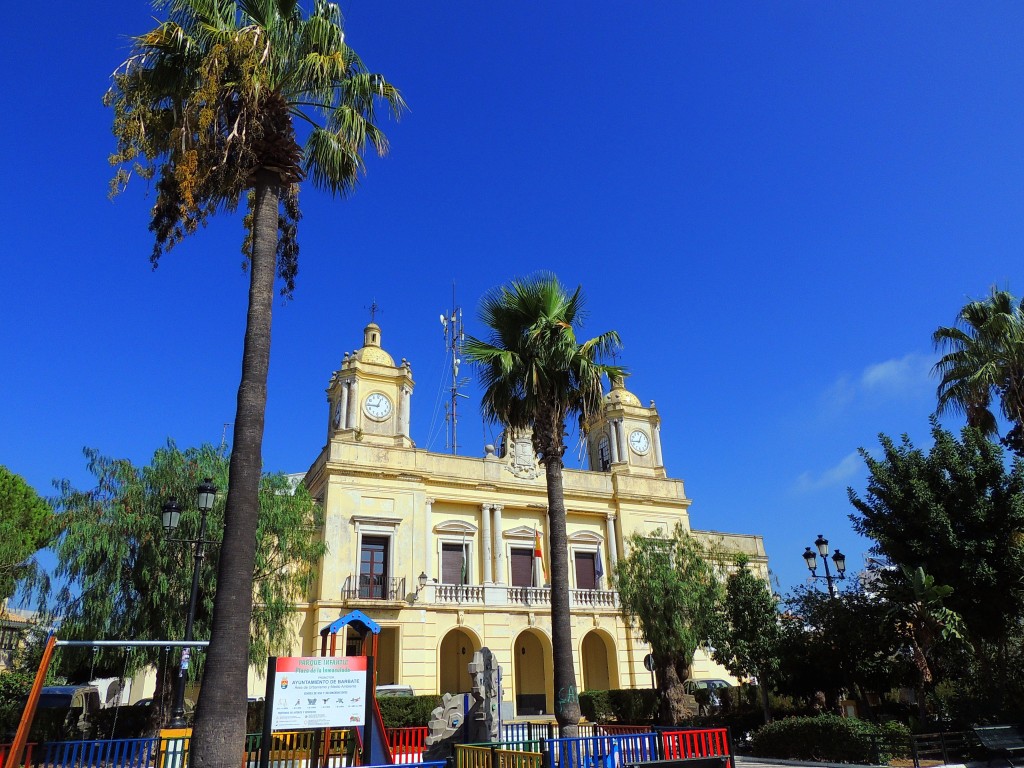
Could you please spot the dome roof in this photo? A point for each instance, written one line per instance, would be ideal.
(371, 351)
(619, 395)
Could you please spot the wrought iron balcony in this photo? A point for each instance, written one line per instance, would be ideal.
(371, 587)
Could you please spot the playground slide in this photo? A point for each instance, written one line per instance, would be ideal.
(375, 740)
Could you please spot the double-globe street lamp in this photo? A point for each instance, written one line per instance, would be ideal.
(206, 493)
(839, 559)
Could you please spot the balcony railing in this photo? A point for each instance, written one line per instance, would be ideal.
(459, 593)
(502, 594)
(372, 587)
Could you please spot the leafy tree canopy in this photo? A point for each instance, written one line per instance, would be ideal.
(848, 643)
(747, 638)
(958, 513)
(27, 524)
(125, 579)
(670, 590)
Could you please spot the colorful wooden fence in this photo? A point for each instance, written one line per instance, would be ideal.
(27, 755)
(707, 742)
(96, 753)
(407, 744)
(490, 756)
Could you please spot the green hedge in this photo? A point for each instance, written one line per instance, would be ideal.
(407, 711)
(830, 738)
(632, 707)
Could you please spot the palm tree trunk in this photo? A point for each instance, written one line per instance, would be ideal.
(219, 732)
(567, 705)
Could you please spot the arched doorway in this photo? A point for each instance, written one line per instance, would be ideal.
(600, 672)
(531, 654)
(457, 649)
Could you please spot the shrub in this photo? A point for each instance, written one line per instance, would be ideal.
(830, 738)
(407, 711)
(14, 688)
(633, 707)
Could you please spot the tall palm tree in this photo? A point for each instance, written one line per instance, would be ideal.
(208, 103)
(535, 375)
(983, 361)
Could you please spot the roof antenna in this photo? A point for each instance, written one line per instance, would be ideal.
(454, 338)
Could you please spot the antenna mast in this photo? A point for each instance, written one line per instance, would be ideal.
(454, 337)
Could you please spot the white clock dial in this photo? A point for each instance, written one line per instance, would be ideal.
(639, 441)
(377, 406)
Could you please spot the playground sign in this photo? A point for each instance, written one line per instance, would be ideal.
(318, 692)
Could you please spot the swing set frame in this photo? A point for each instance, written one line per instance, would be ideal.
(52, 644)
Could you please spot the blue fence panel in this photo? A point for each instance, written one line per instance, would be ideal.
(430, 764)
(603, 751)
(98, 753)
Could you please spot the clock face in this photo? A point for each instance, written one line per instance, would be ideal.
(639, 441)
(377, 406)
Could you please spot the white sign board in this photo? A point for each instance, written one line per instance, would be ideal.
(319, 692)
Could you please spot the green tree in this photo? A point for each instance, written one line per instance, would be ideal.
(747, 638)
(535, 375)
(208, 103)
(670, 589)
(915, 602)
(27, 524)
(984, 361)
(124, 580)
(846, 645)
(958, 513)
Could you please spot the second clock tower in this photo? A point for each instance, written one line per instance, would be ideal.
(625, 436)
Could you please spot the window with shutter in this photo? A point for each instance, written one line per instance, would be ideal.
(521, 563)
(586, 576)
(452, 564)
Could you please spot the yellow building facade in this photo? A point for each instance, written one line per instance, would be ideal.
(441, 550)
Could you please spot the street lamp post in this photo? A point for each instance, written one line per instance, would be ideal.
(838, 559)
(206, 493)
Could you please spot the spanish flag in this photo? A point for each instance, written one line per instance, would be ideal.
(538, 552)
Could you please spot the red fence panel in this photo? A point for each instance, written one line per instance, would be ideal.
(407, 744)
(708, 742)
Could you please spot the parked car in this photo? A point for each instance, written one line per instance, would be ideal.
(394, 690)
(706, 693)
(68, 708)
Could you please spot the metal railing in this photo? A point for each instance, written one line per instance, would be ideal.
(371, 587)
(952, 747)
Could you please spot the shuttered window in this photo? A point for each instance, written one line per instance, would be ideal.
(451, 564)
(522, 567)
(586, 577)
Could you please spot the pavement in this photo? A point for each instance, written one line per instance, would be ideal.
(743, 761)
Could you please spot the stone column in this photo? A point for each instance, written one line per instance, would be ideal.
(343, 406)
(428, 537)
(403, 411)
(613, 547)
(613, 443)
(499, 545)
(620, 434)
(485, 540)
(353, 405)
(656, 432)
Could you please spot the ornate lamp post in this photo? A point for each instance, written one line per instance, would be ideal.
(838, 559)
(206, 493)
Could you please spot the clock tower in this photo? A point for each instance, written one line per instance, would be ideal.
(625, 436)
(370, 396)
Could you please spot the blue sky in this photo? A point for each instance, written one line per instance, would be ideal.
(775, 204)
